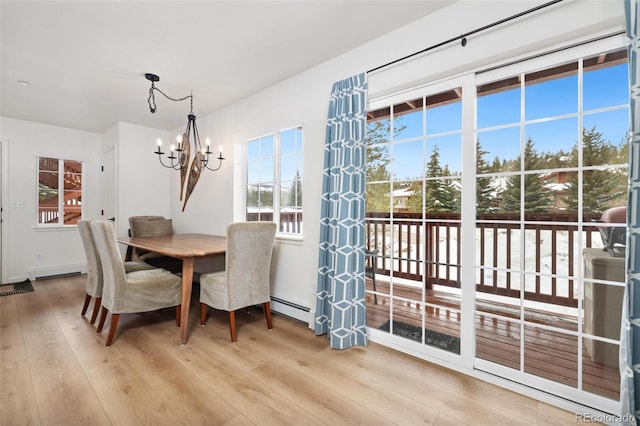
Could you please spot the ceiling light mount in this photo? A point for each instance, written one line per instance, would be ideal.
(152, 77)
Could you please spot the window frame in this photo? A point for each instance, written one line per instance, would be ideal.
(277, 178)
(61, 191)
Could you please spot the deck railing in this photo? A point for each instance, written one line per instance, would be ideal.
(290, 222)
(403, 253)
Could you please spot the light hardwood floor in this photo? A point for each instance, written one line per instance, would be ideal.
(55, 370)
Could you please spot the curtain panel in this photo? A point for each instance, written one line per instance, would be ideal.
(340, 302)
(630, 331)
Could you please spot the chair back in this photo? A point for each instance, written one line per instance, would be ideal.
(148, 226)
(248, 262)
(94, 268)
(114, 275)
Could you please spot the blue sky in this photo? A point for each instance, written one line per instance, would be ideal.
(603, 88)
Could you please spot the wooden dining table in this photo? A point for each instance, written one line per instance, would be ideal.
(186, 247)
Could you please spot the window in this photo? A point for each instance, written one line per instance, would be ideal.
(59, 191)
(551, 159)
(274, 180)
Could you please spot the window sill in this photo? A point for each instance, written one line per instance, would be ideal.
(289, 239)
(51, 228)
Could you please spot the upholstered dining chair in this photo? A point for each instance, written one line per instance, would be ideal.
(94, 269)
(132, 292)
(151, 226)
(245, 280)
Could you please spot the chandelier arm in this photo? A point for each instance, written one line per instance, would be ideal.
(220, 158)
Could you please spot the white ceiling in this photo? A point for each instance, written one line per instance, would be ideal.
(86, 60)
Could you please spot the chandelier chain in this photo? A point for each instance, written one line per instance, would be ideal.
(151, 100)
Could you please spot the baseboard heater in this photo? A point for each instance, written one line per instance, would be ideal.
(56, 271)
(290, 309)
(65, 274)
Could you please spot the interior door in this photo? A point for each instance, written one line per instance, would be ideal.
(109, 184)
(1, 209)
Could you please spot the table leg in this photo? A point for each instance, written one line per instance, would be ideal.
(187, 282)
(129, 256)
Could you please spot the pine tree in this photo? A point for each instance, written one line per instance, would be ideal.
(432, 187)
(295, 193)
(537, 197)
(484, 190)
(601, 189)
(450, 192)
(377, 158)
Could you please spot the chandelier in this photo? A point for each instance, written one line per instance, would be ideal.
(179, 157)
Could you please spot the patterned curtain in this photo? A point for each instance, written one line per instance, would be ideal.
(340, 305)
(630, 335)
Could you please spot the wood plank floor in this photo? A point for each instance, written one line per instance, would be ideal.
(55, 370)
(547, 354)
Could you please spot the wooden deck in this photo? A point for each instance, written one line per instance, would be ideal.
(548, 354)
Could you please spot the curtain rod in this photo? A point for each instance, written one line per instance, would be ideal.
(464, 36)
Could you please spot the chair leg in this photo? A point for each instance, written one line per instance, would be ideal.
(178, 311)
(203, 314)
(267, 311)
(112, 328)
(87, 299)
(103, 316)
(232, 326)
(375, 295)
(96, 308)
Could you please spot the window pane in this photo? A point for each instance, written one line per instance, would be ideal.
(379, 131)
(378, 197)
(72, 207)
(48, 164)
(253, 150)
(549, 141)
(446, 115)
(442, 195)
(288, 167)
(603, 189)
(378, 159)
(48, 180)
(605, 87)
(408, 160)
(498, 149)
(499, 105)
(551, 92)
(290, 194)
(407, 121)
(253, 172)
(605, 138)
(266, 146)
(448, 150)
(266, 169)
(47, 206)
(253, 197)
(288, 141)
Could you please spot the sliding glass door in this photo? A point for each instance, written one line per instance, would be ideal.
(495, 221)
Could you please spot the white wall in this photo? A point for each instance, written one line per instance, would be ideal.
(303, 99)
(143, 186)
(25, 142)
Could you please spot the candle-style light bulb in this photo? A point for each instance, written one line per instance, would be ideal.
(159, 142)
(173, 148)
(179, 140)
